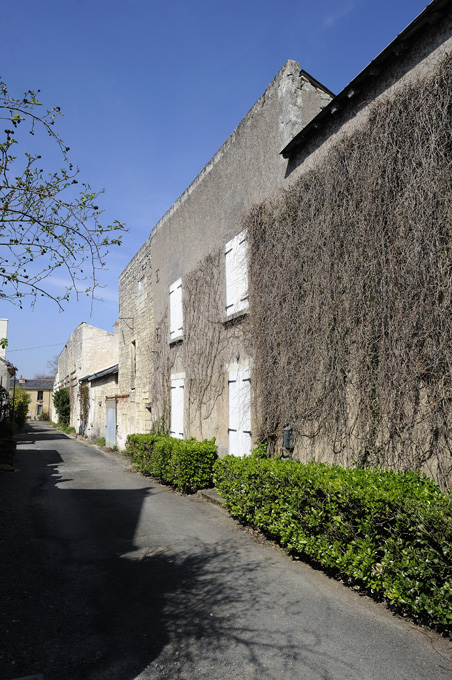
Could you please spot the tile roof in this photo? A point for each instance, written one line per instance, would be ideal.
(38, 384)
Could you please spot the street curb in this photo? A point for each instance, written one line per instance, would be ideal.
(211, 496)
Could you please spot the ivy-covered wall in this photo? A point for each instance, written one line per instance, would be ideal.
(351, 292)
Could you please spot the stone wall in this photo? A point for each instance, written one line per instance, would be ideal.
(87, 350)
(188, 243)
(99, 390)
(136, 330)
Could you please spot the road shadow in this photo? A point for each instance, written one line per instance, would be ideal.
(39, 431)
(82, 598)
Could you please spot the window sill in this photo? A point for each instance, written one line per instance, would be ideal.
(236, 317)
(176, 341)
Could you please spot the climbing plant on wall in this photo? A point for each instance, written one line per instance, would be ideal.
(351, 291)
(84, 405)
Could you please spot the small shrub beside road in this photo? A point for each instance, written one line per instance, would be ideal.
(62, 402)
(386, 532)
(185, 464)
(20, 400)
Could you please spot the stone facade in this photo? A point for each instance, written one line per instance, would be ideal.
(136, 330)
(189, 239)
(95, 390)
(185, 355)
(196, 367)
(88, 350)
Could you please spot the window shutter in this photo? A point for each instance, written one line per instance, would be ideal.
(176, 318)
(230, 277)
(239, 412)
(236, 267)
(241, 269)
(177, 408)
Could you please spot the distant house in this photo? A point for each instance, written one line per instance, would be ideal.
(40, 391)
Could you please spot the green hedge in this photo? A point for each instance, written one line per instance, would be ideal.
(185, 464)
(388, 532)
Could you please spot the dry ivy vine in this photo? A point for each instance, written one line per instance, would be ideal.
(84, 406)
(208, 346)
(163, 362)
(351, 292)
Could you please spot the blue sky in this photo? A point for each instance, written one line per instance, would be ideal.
(150, 91)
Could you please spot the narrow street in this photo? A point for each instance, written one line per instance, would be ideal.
(106, 575)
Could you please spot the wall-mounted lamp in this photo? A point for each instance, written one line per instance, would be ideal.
(287, 438)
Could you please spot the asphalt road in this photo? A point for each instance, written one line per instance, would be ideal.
(106, 575)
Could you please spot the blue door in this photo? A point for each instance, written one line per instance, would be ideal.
(110, 427)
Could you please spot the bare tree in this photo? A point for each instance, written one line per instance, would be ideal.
(46, 223)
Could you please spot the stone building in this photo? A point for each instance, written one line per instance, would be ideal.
(172, 373)
(87, 351)
(97, 395)
(136, 357)
(190, 360)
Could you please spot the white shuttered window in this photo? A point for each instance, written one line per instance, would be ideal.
(236, 262)
(239, 412)
(177, 408)
(176, 318)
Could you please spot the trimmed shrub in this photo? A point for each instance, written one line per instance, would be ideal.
(20, 399)
(62, 403)
(388, 532)
(191, 464)
(138, 449)
(185, 464)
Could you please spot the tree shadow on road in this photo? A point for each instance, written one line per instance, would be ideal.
(82, 598)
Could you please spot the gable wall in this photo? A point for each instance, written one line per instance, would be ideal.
(87, 350)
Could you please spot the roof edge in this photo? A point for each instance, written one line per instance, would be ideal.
(398, 46)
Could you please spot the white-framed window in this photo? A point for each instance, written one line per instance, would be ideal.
(239, 412)
(236, 265)
(177, 407)
(176, 315)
